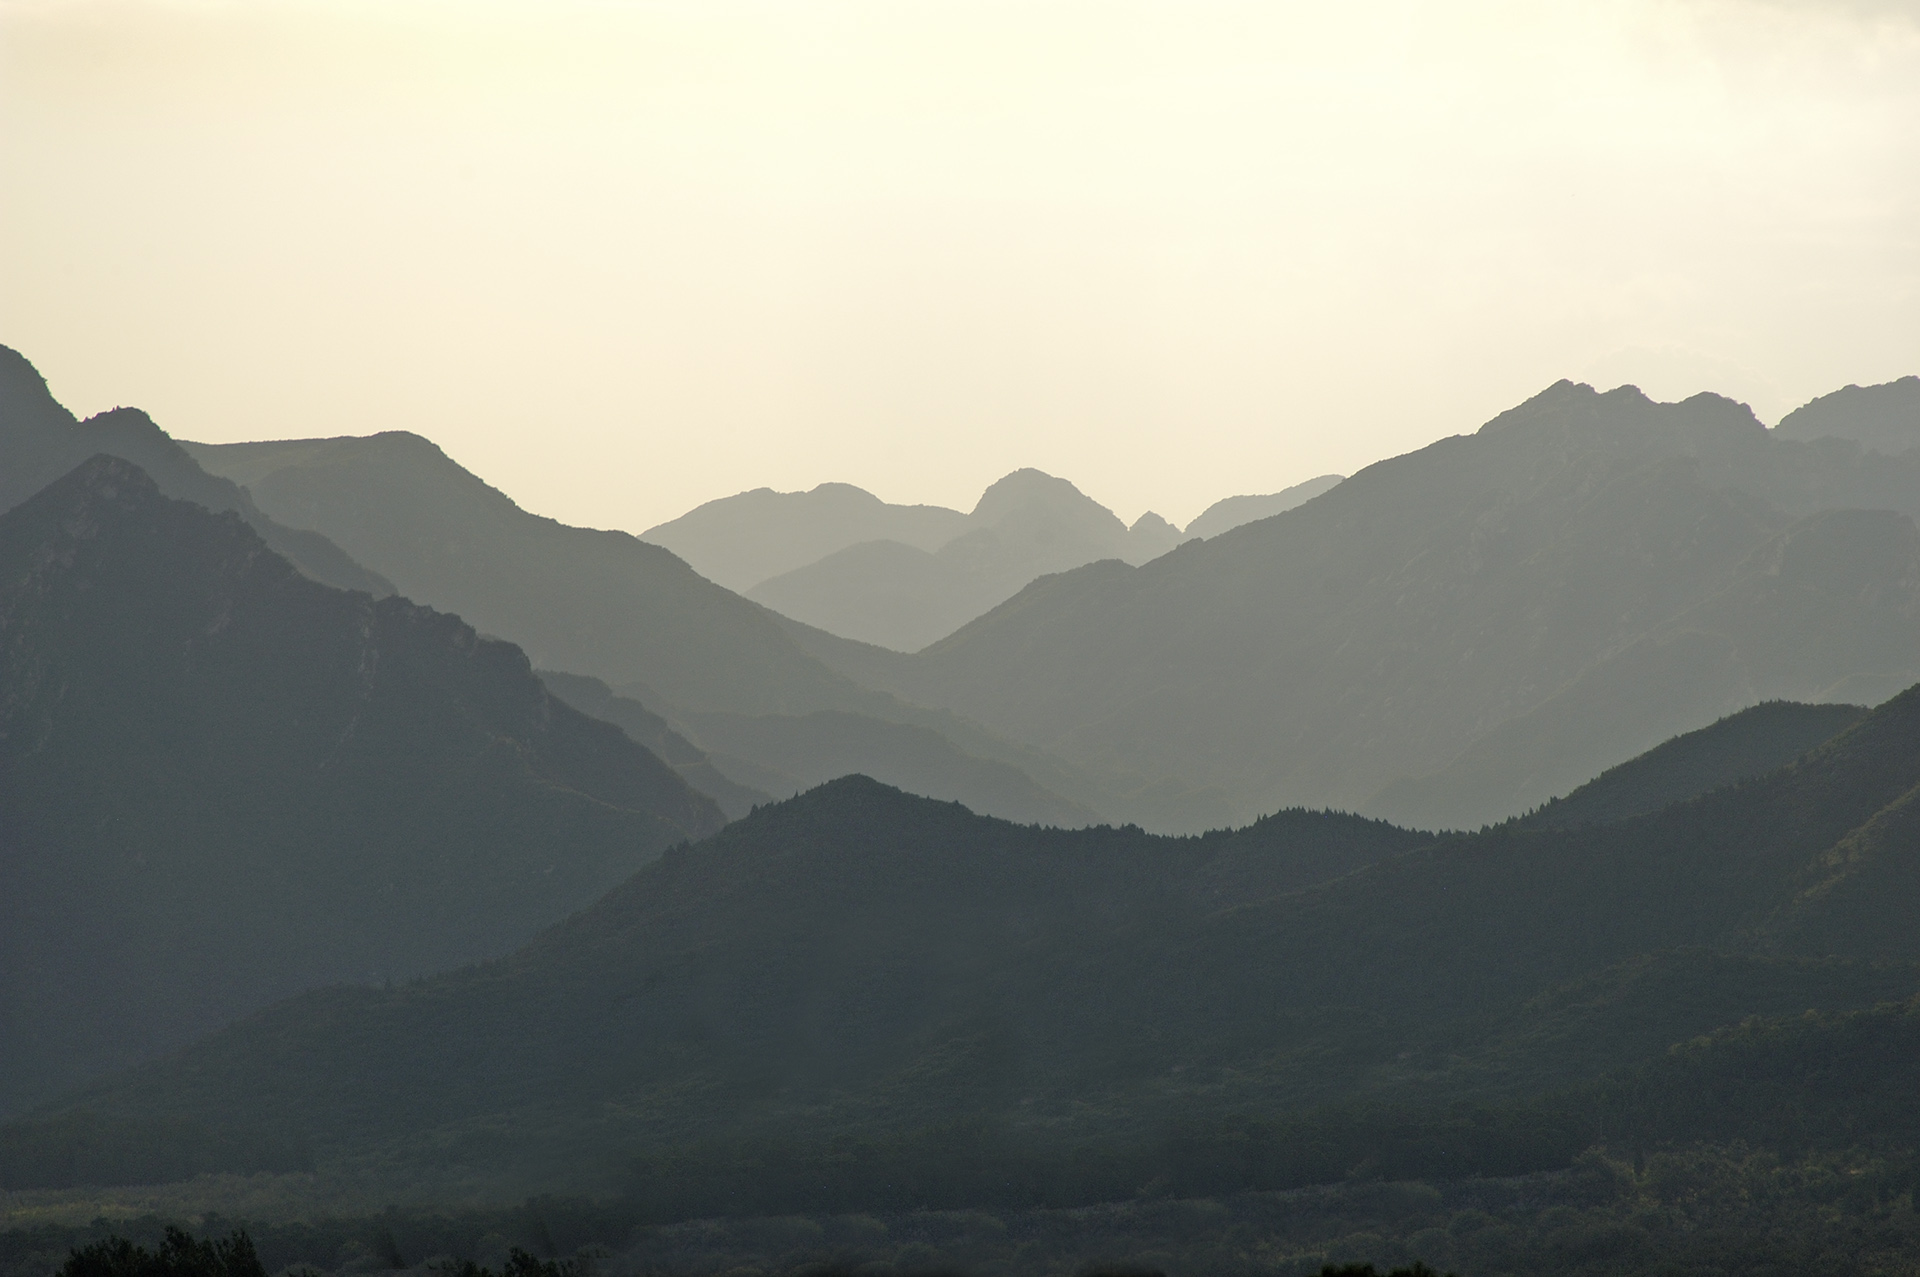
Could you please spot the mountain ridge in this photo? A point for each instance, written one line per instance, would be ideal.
(222, 781)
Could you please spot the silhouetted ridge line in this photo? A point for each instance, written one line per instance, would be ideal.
(223, 782)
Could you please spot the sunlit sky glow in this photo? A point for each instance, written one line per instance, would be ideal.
(620, 258)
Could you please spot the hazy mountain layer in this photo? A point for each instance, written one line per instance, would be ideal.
(1885, 418)
(222, 782)
(1827, 610)
(903, 596)
(596, 700)
(787, 754)
(743, 540)
(40, 441)
(1230, 512)
(600, 603)
(856, 960)
(1638, 561)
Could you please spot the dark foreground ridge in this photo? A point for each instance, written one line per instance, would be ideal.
(222, 782)
(861, 999)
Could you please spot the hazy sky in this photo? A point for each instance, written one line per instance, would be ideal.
(620, 258)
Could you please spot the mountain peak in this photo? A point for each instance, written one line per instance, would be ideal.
(1027, 490)
(1575, 413)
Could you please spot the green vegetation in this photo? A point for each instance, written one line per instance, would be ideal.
(178, 1255)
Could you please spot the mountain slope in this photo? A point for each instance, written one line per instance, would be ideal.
(1885, 418)
(1738, 747)
(857, 960)
(1377, 632)
(904, 596)
(40, 441)
(742, 540)
(221, 783)
(1826, 610)
(605, 604)
(1229, 513)
(596, 700)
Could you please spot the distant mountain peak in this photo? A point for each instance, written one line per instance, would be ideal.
(1578, 414)
(1027, 488)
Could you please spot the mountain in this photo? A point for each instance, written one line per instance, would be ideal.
(1824, 611)
(902, 596)
(604, 604)
(596, 700)
(661, 642)
(222, 782)
(1738, 747)
(856, 970)
(1884, 418)
(786, 754)
(1623, 569)
(41, 441)
(742, 540)
(1230, 512)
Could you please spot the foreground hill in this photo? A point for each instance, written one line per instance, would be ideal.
(860, 963)
(1739, 747)
(903, 596)
(41, 441)
(1591, 573)
(222, 783)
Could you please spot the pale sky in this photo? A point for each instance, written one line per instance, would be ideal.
(621, 258)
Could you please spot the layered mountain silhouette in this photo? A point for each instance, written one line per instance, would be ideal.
(222, 782)
(1229, 513)
(610, 607)
(1457, 635)
(745, 539)
(858, 960)
(596, 700)
(1884, 418)
(903, 596)
(784, 755)
(605, 604)
(41, 441)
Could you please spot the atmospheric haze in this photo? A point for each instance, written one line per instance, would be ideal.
(626, 258)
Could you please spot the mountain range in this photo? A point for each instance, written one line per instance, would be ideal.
(840, 560)
(1476, 628)
(315, 894)
(1454, 636)
(611, 607)
(862, 965)
(41, 441)
(222, 782)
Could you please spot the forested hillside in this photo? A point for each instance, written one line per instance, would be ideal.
(858, 964)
